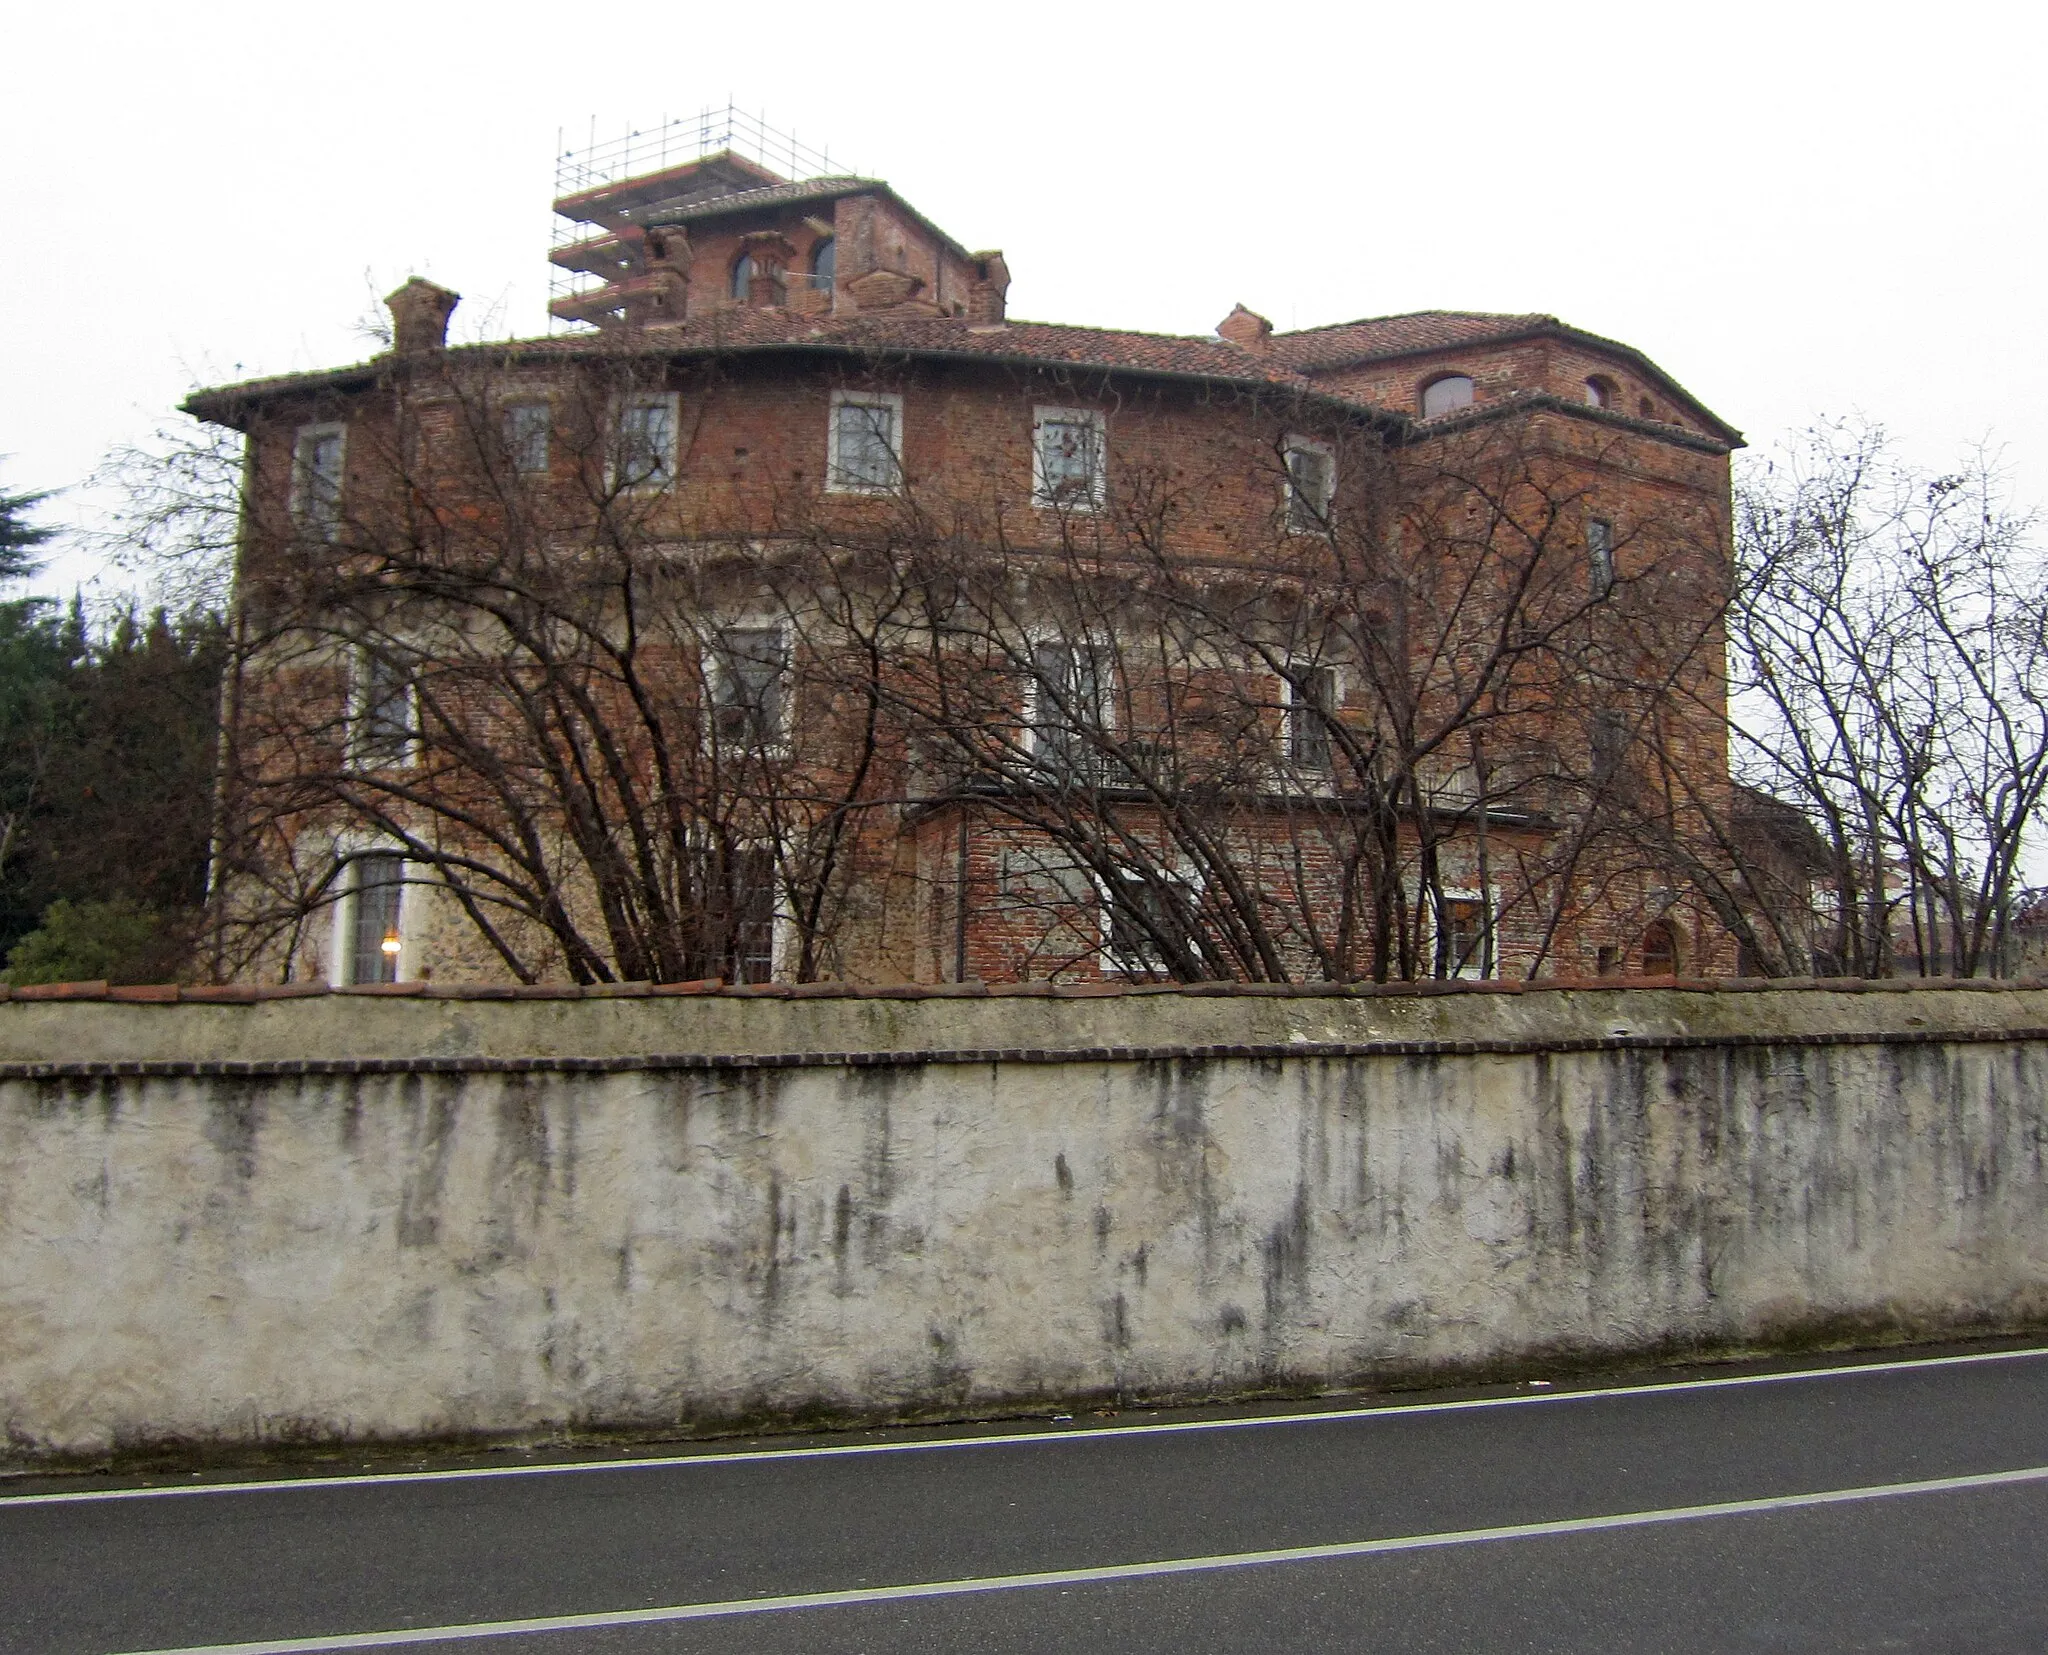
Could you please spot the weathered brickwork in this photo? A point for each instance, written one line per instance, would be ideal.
(850, 295)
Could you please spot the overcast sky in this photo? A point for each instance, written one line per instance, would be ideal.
(1797, 210)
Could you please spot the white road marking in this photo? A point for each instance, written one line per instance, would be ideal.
(1008, 1439)
(1111, 1572)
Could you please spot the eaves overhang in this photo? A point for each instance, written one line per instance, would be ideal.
(235, 405)
(1486, 413)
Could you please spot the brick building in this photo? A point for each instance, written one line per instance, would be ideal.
(800, 615)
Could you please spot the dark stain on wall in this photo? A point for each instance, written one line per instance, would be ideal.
(429, 1141)
(234, 1120)
(1116, 1323)
(842, 1235)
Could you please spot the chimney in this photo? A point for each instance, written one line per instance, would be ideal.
(419, 316)
(1246, 329)
(988, 295)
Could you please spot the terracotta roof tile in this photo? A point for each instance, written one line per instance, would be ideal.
(1420, 330)
(927, 336)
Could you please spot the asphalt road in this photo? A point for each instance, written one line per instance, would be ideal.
(1900, 1505)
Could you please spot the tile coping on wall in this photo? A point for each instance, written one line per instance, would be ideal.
(251, 993)
(640, 1063)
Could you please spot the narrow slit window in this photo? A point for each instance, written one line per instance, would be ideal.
(1311, 704)
(317, 480)
(1600, 556)
(1311, 486)
(376, 891)
(387, 711)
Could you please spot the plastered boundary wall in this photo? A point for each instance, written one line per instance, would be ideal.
(388, 1217)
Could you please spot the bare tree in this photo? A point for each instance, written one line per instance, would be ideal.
(631, 724)
(499, 663)
(1355, 748)
(1889, 639)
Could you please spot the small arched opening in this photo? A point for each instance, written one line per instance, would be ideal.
(743, 277)
(1600, 391)
(824, 261)
(1658, 952)
(1446, 395)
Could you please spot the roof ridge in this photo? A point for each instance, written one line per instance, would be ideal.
(1413, 315)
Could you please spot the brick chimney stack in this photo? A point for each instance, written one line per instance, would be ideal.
(419, 316)
(988, 298)
(1246, 329)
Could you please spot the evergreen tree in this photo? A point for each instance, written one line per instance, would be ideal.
(106, 777)
(19, 537)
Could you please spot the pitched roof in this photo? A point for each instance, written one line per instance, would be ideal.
(1343, 343)
(946, 338)
(776, 329)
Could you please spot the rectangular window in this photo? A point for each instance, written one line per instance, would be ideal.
(317, 459)
(1148, 919)
(866, 441)
(376, 889)
(1461, 937)
(749, 684)
(1600, 556)
(647, 443)
(386, 712)
(1610, 744)
(738, 896)
(528, 426)
(1311, 485)
(1311, 703)
(1067, 468)
(1071, 706)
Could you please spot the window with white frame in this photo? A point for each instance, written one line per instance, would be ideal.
(1310, 704)
(383, 709)
(527, 428)
(1311, 485)
(740, 903)
(646, 449)
(749, 687)
(1600, 556)
(866, 443)
(1067, 458)
(318, 456)
(1150, 916)
(368, 922)
(1463, 942)
(1070, 705)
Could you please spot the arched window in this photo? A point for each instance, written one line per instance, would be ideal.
(824, 259)
(1446, 395)
(1660, 950)
(1646, 408)
(743, 277)
(1600, 391)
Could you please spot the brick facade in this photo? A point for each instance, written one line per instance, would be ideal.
(1450, 552)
